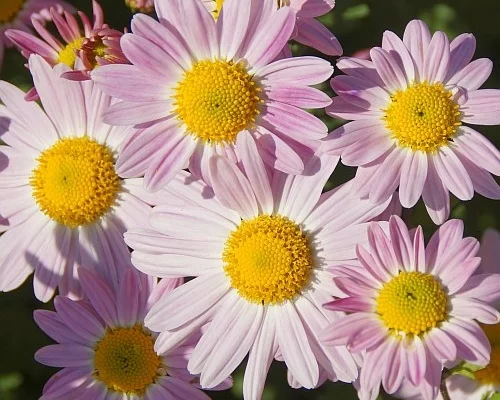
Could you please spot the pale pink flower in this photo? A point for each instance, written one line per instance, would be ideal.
(62, 204)
(487, 381)
(412, 309)
(18, 14)
(197, 83)
(409, 105)
(80, 49)
(258, 247)
(308, 30)
(105, 350)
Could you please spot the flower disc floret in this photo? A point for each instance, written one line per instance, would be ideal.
(125, 359)
(69, 53)
(9, 9)
(75, 182)
(423, 117)
(490, 375)
(268, 259)
(216, 100)
(412, 303)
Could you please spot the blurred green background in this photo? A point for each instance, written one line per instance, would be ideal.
(358, 25)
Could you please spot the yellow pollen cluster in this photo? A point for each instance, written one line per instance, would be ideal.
(136, 7)
(423, 117)
(491, 374)
(75, 182)
(125, 360)
(216, 100)
(268, 259)
(68, 54)
(413, 303)
(9, 9)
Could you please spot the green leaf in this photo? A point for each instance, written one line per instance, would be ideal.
(496, 396)
(356, 12)
(466, 369)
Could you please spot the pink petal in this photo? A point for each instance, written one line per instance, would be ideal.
(413, 177)
(473, 75)
(397, 49)
(482, 107)
(360, 92)
(313, 33)
(435, 196)
(255, 171)
(268, 41)
(453, 174)
(417, 38)
(295, 348)
(64, 355)
(388, 69)
(299, 96)
(305, 70)
(437, 58)
(232, 188)
(232, 24)
(387, 176)
(461, 51)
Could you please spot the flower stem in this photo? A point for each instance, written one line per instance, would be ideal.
(442, 387)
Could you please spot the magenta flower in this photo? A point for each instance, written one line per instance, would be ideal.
(105, 350)
(197, 83)
(308, 31)
(62, 204)
(412, 308)
(81, 50)
(409, 105)
(19, 14)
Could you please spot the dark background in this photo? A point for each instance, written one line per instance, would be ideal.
(358, 25)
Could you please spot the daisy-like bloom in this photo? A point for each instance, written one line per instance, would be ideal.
(409, 105)
(412, 308)
(143, 6)
(309, 31)
(196, 84)
(62, 204)
(258, 248)
(81, 50)
(105, 350)
(18, 14)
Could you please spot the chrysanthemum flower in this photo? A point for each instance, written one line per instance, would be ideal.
(62, 204)
(143, 6)
(309, 31)
(106, 351)
(81, 50)
(412, 308)
(197, 84)
(409, 105)
(18, 14)
(258, 250)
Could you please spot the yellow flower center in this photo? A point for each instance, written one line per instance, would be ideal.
(68, 54)
(413, 303)
(9, 9)
(216, 100)
(491, 374)
(268, 259)
(125, 360)
(137, 6)
(75, 182)
(423, 117)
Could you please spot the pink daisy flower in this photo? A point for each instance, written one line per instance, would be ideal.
(258, 248)
(82, 51)
(62, 204)
(105, 350)
(18, 14)
(308, 30)
(197, 84)
(409, 106)
(412, 308)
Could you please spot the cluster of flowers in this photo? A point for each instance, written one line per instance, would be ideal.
(187, 140)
